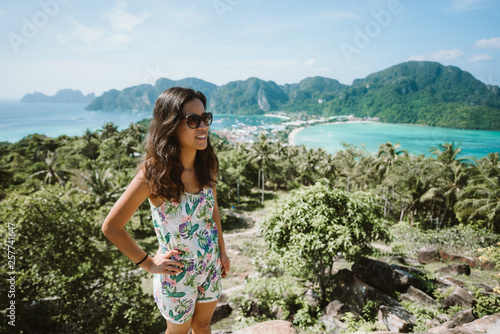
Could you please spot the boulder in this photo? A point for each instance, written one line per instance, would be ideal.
(459, 297)
(336, 309)
(457, 269)
(396, 319)
(489, 324)
(427, 255)
(312, 299)
(268, 327)
(355, 293)
(415, 295)
(450, 281)
(332, 314)
(459, 319)
(385, 277)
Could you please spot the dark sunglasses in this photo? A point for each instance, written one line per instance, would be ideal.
(193, 121)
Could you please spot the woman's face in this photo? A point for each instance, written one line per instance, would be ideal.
(192, 139)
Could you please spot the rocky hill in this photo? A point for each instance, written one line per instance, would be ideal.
(62, 96)
(414, 92)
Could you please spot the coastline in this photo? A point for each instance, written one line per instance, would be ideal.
(291, 136)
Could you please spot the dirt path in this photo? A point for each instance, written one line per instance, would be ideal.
(241, 248)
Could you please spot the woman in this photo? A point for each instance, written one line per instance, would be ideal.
(178, 176)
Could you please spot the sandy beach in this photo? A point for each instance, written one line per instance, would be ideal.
(291, 136)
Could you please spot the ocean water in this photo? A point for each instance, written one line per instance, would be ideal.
(415, 139)
(18, 120)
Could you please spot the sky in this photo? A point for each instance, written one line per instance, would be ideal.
(95, 46)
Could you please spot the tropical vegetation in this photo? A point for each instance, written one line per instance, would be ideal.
(54, 193)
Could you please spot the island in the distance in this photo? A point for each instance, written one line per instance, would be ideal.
(62, 96)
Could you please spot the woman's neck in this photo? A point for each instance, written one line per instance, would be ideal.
(187, 159)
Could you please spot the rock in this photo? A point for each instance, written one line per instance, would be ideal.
(415, 295)
(457, 269)
(396, 319)
(222, 311)
(398, 259)
(489, 324)
(427, 255)
(385, 277)
(450, 281)
(332, 325)
(336, 309)
(268, 327)
(311, 298)
(485, 287)
(221, 331)
(459, 297)
(450, 257)
(459, 319)
(355, 293)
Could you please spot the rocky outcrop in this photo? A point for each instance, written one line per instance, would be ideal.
(385, 277)
(456, 269)
(461, 318)
(355, 293)
(415, 295)
(396, 319)
(489, 324)
(459, 297)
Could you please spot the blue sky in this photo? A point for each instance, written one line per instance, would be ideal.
(95, 46)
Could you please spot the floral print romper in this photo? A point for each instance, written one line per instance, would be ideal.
(189, 227)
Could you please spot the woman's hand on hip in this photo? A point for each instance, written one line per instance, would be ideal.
(164, 264)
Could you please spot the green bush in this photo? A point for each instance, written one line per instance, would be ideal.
(486, 304)
(312, 225)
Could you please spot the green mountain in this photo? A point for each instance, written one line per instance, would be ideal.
(310, 93)
(252, 96)
(414, 92)
(425, 93)
(143, 97)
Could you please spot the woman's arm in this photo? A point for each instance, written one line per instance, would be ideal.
(114, 229)
(226, 265)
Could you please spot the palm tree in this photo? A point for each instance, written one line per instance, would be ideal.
(447, 153)
(387, 156)
(447, 193)
(262, 153)
(108, 130)
(308, 165)
(52, 171)
(481, 198)
(102, 184)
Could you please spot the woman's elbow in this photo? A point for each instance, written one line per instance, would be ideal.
(107, 230)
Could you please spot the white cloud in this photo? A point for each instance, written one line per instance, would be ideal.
(119, 33)
(464, 5)
(492, 43)
(123, 21)
(479, 57)
(310, 62)
(86, 34)
(442, 55)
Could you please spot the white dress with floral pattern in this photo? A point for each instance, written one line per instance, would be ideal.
(187, 226)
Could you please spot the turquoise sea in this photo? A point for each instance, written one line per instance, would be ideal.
(415, 139)
(18, 120)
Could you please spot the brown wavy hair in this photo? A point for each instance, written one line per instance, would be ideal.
(161, 165)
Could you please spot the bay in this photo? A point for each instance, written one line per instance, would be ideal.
(416, 139)
(18, 120)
